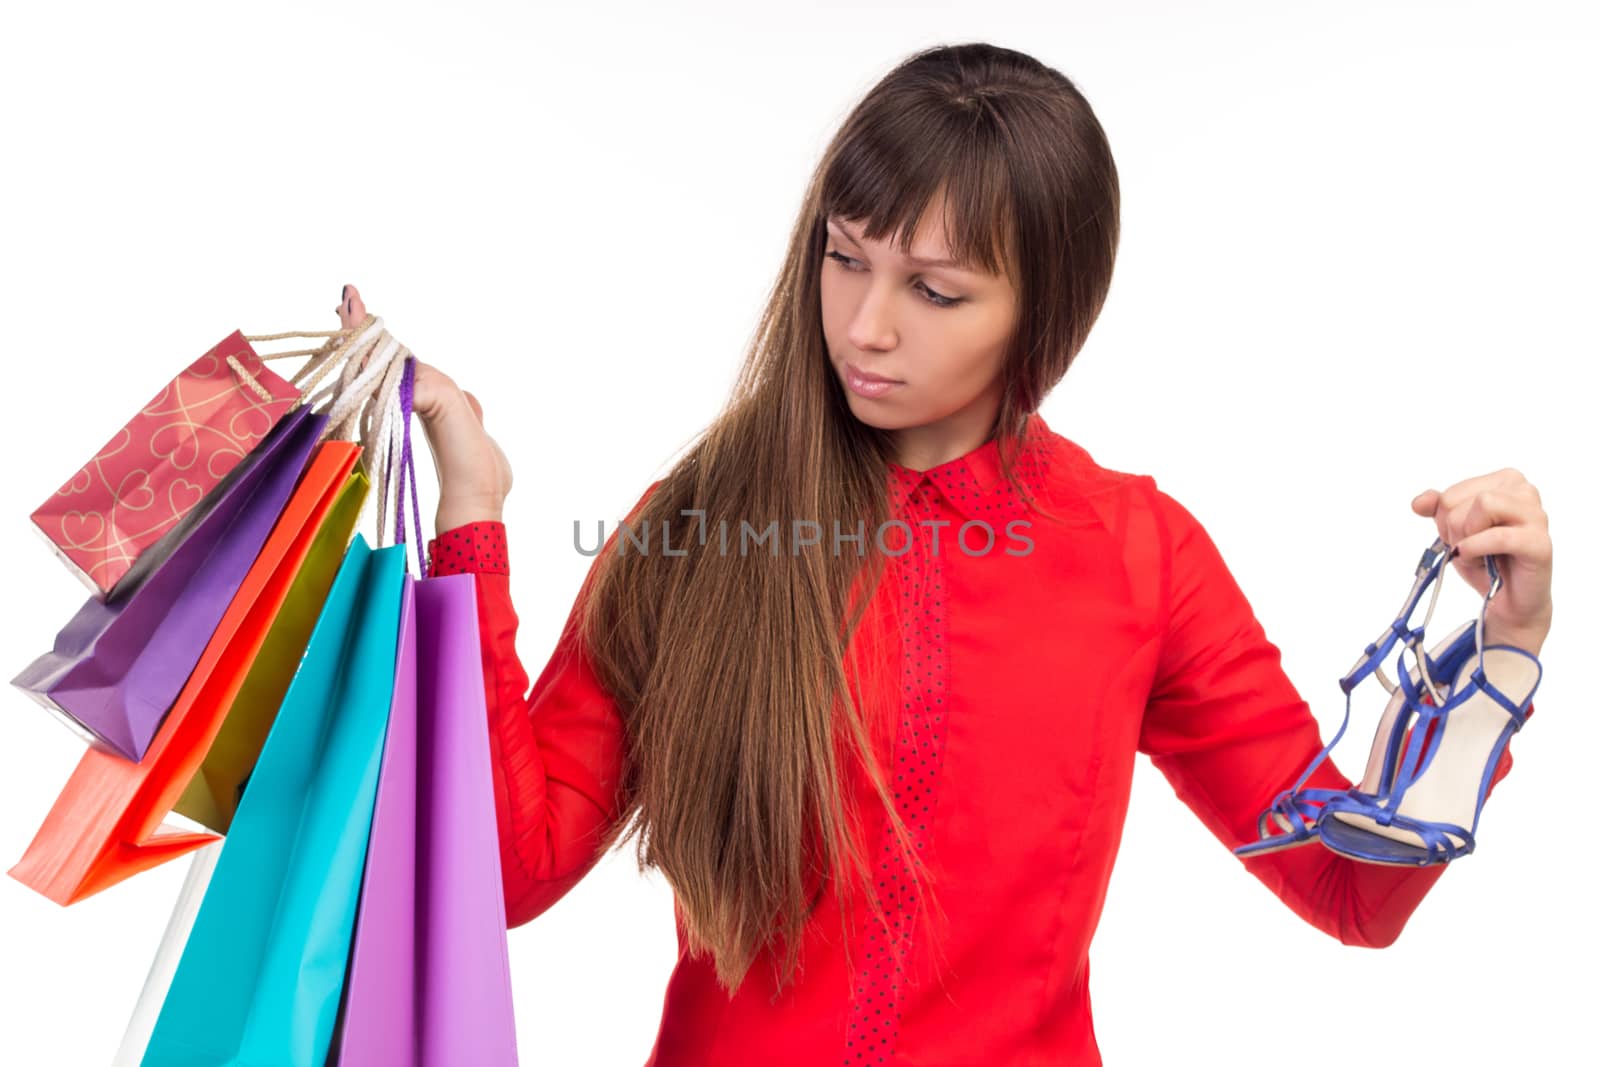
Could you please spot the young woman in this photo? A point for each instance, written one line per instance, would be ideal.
(885, 770)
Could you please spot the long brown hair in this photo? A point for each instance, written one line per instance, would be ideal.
(730, 668)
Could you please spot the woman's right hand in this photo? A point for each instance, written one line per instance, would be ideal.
(474, 474)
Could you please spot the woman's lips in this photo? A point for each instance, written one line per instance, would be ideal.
(870, 386)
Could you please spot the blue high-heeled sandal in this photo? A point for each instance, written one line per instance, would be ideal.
(1419, 818)
(1297, 810)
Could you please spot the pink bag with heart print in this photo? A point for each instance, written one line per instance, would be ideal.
(155, 469)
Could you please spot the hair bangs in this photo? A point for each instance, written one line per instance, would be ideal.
(891, 181)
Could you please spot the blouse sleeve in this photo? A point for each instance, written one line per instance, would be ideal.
(557, 748)
(1227, 728)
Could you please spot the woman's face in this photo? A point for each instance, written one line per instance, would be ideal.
(937, 332)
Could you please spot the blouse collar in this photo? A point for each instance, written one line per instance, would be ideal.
(974, 485)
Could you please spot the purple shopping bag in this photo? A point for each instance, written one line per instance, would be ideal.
(118, 665)
(430, 976)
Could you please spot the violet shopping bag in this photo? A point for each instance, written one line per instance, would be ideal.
(262, 971)
(173, 451)
(118, 665)
(430, 976)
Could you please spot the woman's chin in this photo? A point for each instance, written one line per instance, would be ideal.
(878, 414)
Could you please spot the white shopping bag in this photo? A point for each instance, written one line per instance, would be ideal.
(143, 1023)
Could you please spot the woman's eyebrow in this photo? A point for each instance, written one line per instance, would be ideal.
(917, 260)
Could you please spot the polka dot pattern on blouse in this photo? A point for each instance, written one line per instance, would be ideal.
(880, 977)
(975, 489)
(475, 548)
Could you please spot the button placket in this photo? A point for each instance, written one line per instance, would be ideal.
(879, 982)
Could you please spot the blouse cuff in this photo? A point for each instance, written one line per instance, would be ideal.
(475, 548)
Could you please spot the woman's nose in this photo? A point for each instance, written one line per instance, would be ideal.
(871, 327)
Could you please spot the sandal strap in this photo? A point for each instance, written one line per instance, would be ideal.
(1518, 714)
(1417, 715)
(1428, 729)
(1296, 812)
(1435, 835)
(1427, 573)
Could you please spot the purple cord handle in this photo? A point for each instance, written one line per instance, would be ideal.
(408, 469)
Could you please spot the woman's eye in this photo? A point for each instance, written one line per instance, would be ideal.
(937, 299)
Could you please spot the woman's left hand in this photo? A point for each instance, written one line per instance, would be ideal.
(1499, 514)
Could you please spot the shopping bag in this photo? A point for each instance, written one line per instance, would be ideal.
(383, 950)
(430, 978)
(213, 793)
(118, 664)
(261, 974)
(169, 455)
(107, 823)
(136, 1036)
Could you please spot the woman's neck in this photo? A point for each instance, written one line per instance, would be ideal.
(938, 442)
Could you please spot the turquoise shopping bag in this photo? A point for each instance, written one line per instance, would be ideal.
(260, 978)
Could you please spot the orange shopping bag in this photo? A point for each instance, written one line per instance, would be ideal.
(212, 796)
(107, 823)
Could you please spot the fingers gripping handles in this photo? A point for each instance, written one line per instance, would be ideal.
(369, 401)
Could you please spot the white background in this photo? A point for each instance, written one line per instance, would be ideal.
(1358, 261)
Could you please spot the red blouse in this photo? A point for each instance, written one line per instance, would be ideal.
(1026, 683)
